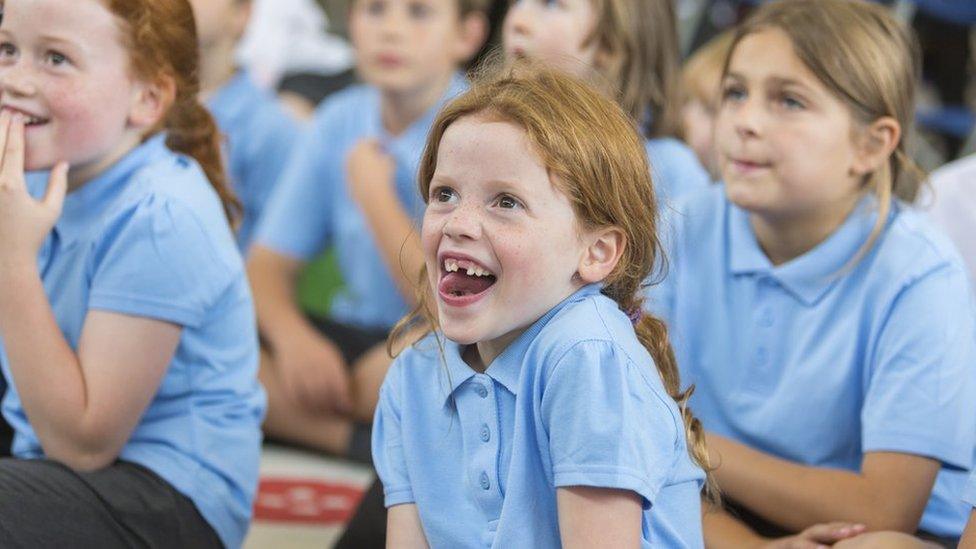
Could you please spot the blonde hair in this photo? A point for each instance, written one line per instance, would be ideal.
(639, 56)
(869, 61)
(701, 74)
(596, 158)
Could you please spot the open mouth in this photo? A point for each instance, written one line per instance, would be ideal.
(464, 280)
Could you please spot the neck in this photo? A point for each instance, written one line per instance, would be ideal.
(398, 110)
(786, 237)
(80, 174)
(217, 66)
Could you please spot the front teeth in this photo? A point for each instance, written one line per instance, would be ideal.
(451, 266)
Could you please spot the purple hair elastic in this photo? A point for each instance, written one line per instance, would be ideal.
(635, 314)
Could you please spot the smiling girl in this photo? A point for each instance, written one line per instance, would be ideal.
(126, 322)
(541, 408)
(828, 329)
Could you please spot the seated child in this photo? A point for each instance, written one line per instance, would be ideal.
(351, 184)
(542, 408)
(126, 320)
(260, 134)
(827, 327)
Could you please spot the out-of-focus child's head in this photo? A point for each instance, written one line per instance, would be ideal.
(631, 44)
(220, 21)
(408, 46)
(701, 78)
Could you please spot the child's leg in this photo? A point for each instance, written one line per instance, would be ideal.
(289, 421)
(46, 504)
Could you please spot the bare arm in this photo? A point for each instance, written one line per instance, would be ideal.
(598, 517)
(310, 366)
(722, 531)
(403, 528)
(968, 540)
(77, 404)
(372, 186)
(889, 493)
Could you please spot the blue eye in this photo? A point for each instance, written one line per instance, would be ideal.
(55, 58)
(733, 92)
(443, 195)
(791, 103)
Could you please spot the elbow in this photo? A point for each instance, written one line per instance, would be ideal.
(87, 448)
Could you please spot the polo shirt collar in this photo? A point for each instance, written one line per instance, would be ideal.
(89, 202)
(507, 366)
(809, 276)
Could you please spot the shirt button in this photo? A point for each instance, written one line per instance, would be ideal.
(482, 392)
(485, 483)
(485, 433)
(766, 319)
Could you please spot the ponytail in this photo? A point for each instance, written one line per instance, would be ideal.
(161, 38)
(191, 130)
(652, 332)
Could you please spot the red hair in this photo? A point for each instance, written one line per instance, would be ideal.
(161, 38)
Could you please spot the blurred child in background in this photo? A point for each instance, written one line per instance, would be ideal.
(632, 46)
(259, 134)
(827, 327)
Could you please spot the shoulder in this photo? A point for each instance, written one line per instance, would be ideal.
(171, 201)
(593, 323)
(417, 365)
(345, 106)
(694, 217)
(911, 247)
(670, 150)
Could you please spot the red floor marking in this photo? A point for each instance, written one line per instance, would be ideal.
(306, 501)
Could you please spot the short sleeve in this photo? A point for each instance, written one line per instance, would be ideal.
(607, 427)
(296, 220)
(155, 259)
(921, 396)
(388, 456)
(969, 493)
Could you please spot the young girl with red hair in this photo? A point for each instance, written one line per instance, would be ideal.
(127, 330)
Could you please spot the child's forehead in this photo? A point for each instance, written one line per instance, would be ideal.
(75, 21)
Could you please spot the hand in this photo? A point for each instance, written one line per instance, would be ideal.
(818, 536)
(370, 171)
(313, 372)
(24, 222)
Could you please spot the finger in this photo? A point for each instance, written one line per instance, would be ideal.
(5, 119)
(13, 152)
(833, 532)
(57, 187)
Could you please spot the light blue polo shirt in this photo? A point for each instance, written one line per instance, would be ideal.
(817, 364)
(260, 135)
(149, 238)
(574, 401)
(675, 169)
(311, 209)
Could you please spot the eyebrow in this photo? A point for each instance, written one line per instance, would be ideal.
(780, 81)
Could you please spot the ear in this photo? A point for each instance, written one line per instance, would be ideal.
(151, 101)
(241, 18)
(874, 145)
(473, 31)
(606, 246)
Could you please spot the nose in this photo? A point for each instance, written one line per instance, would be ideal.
(516, 20)
(392, 22)
(464, 223)
(746, 118)
(16, 79)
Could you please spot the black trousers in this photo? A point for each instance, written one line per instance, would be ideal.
(46, 504)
